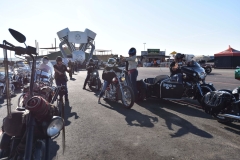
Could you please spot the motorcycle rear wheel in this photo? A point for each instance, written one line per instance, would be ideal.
(129, 96)
(208, 70)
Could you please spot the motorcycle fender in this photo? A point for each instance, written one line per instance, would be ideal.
(208, 86)
(1, 85)
(5, 141)
(142, 87)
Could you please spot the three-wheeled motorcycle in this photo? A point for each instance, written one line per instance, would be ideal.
(166, 87)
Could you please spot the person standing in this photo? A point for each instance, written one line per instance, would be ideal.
(44, 65)
(90, 67)
(70, 66)
(60, 75)
(132, 69)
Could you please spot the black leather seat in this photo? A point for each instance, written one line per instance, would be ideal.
(160, 78)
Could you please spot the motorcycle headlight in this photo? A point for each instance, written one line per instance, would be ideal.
(123, 79)
(202, 75)
(94, 73)
(194, 74)
(55, 126)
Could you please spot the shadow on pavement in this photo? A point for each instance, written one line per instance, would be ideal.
(132, 117)
(72, 79)
(232, 127)
(214, 74)
(54, 147)
(172, 119)
(186, 109)
(67, 113)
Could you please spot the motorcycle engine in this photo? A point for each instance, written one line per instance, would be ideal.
(217, 101)
(112, 92)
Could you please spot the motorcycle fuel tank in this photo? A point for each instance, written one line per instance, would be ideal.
(170, 89)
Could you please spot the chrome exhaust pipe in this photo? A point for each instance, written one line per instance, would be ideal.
(230, 116)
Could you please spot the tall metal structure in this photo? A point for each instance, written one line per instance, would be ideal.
(70, 38)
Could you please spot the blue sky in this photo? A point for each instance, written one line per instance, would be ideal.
(186, 26)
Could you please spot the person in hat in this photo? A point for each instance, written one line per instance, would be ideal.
(174, 67)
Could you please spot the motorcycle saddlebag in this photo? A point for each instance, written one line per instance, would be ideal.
(172, 90)
(215, 101)
(14, 126)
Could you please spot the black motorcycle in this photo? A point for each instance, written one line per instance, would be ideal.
(26, 133)
(94, 81)
(206, 67)
(224, 105)
(119, 88)
(164, 86)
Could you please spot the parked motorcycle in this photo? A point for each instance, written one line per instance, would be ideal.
(224, 105)
(94, 81)
(119, 88)
(164, 86)
(43, 84)
(20, 77)
(26, 134)
(3, 86)
(206, 67)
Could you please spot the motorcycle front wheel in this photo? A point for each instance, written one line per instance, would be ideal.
(127, 97)
(204, 91)
(98, 84)
(20, 101)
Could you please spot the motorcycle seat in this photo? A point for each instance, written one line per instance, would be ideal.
(160, 78)
(157, 79)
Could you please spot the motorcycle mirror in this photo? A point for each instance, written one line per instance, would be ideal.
(17, 35)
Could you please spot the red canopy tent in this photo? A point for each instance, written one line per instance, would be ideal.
(229, 58)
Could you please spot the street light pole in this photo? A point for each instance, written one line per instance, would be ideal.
(144, 46)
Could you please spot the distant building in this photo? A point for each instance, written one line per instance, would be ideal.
(229, 58)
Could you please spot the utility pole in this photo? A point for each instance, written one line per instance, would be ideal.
(144, 46)
(55, 44)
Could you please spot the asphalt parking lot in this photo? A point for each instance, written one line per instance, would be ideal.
(152, 129)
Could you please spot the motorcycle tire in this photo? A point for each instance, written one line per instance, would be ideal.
(208, 70)
(130, 91)
(20, 101)
(224, 120)
(99, 84)
(1, 93)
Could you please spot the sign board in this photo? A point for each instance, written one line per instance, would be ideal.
(162, 53)
(144, 53)
(153, 51)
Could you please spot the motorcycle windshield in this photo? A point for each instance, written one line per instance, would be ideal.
(193, 64)
(192, 67)
(46, 68)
